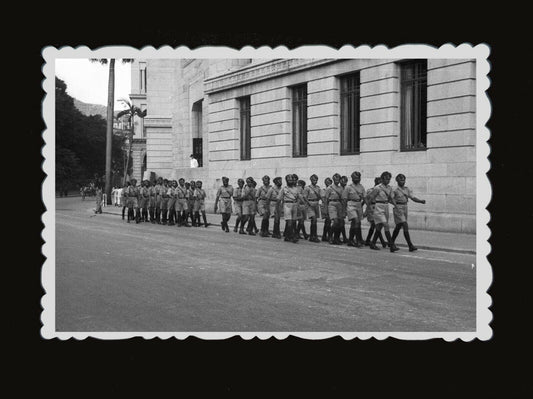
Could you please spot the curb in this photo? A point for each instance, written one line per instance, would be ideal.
(425, 247)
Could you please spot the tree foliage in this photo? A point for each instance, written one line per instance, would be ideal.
(80, 143)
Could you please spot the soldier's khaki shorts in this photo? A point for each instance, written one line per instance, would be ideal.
(370, 213)
(199, 206)
(225, 205)
(262, 208)
(274, 209)
(171, 203)
(158, 201)
(324, 211)
(164, 203)
(302, 212)
(248, 207)
(132, 202)
(335, 210)
(400, 213)
(181, 205)
(290, 210)
(354, 210)
(381, 213)
(238, 207)
(313, 211)
(143, 202)
(151, 202)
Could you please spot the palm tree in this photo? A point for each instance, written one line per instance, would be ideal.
(131, 111)
(110, 112)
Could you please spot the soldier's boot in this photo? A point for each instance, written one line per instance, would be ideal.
(359, 237)
(384, 243)
(325, 230)
(377, 233)
(393, 247)
(184, 219)
(129, 215)
(314, 237)
(295, 236)
(151, 212)
(306, 236)
(226, 227)
(369, 235)
(205, 219)
(193, 219)
(276, 232)
(251, 227)
(237, 222)
(262, 233)
(164, 218)
(137, 215)
(123, 212)
(287, 232)
(243, 222)
(256, 230)
(343, 232)
(407, 236)
(396, 231)
(351, 236)
(171, 217)
(267, 225)
(158, 215)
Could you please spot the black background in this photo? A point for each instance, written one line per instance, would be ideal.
(493, 368)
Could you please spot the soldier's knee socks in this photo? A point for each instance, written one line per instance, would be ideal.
(287, 231)
(358, 233)
(123, 211)
(267, 223)
(237, 223)
(204, 216)
(396, 231)
(377, 234)
(407, 235)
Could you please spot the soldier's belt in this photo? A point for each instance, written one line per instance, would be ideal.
(401, 203)
(312, 200)
(290, 202)
(382, 202)
(334, 200)
(354, 200)
(238, 200)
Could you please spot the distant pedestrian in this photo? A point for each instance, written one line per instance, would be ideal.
(194, 162)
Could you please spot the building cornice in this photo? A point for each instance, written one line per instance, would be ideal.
(137, 96)
(158, 121)
(261, 71)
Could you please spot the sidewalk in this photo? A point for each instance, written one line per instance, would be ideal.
(423, 239)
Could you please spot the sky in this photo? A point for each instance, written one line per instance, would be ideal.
(87, 81)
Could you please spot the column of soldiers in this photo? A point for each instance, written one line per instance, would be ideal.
(171, 202)
(335, 203)
(165, 202)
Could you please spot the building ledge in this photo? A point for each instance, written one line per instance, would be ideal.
(138, 96)
(260, 71)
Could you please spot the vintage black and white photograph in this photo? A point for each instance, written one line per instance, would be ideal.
(264, 192)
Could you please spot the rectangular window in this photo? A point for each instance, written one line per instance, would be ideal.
(245, 128)
(142, 77)
(143, 128)
(350, 99)
(197, 121)
(413, 111)
(299, 121)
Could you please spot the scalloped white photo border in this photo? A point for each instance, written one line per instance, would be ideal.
(478, 52)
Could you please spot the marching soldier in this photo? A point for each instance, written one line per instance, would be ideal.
(344, 182)
(354, 196)
(248, 207)
(190, 201)
(171, 192)
(181, 203)
(324, 210)
(401, 195)
(199, 204)
(288, 197)
(263, 205)
(144, 198)
(133, 204)
(272, 197)
(158, 190)
(237, 202)
(312, 194)
(151, 202)
(302, 210)
(382, 195)
(164, 201)
(224, 194)
(125, 200)
(369, 212)
(333, 198)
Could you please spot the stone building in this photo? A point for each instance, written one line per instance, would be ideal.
(251, 118)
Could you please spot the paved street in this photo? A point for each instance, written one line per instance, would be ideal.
(114, 276)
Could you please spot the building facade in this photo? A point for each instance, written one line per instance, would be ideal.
(244, 117)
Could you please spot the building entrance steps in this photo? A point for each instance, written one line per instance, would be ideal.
(423, 239)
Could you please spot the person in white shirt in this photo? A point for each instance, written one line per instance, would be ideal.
(194, 162)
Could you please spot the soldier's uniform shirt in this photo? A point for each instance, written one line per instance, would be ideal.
(158, 189)
(164, 197)
(225, 194)
(272, 196)
(262, 200)
(248, 203)
(381, 208)
(370, 206)
(144, 197)
(401, 195)
(237, 200)
(152, 193)
(354, 195)
(199, 200)
(132, 193)
(171, 192)
(289, 196)
(333, 197)
(313, 194)
(190, 198)
(181, 199)
(323, 207)
(302, 207)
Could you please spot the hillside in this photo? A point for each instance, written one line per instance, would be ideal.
(92, 109)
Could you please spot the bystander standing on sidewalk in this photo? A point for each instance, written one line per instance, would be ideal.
(99, 199)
